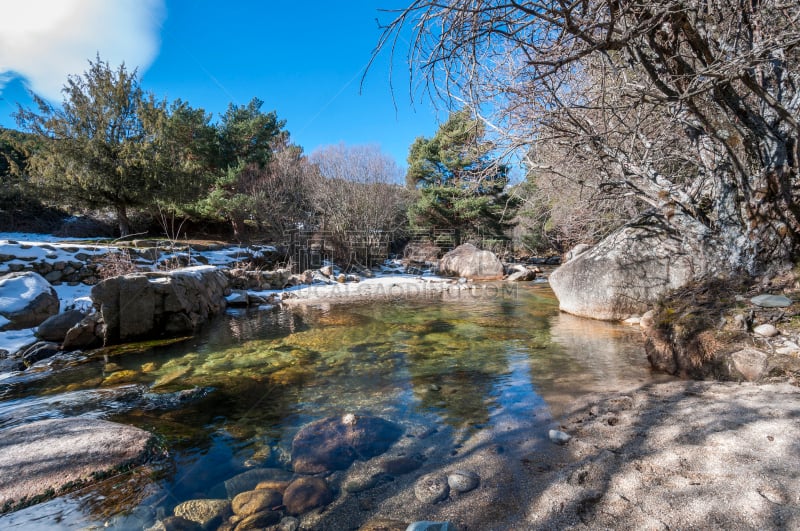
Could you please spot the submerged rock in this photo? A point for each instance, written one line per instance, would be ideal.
(250, 479)
(463, 480)
(255, 501)
(206, 512)
(306, 493)
(432, 488)
(333, 443)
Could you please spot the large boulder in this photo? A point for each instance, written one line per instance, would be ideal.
(49, 457)
(629, 270)
(470, 262)
(333, 443)
(26, 299)
(161, 303)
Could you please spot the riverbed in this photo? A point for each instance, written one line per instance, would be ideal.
(470, 367)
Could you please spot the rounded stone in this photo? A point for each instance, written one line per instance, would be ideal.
(255, 501)
(307, 493)
(432, 488)
(463, 480)
(259, 520)
(765, 330)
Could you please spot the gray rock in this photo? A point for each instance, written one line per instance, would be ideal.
(463, 480)
(39, 351)
(576, 251)
(48, 456)
(159, 303)
(765, 330)
(431, 488)
(468, 261)
(771, 301)
(333, 443)
(53, 276)
(55, 327)
(206, 512)
(607, 281)
(306, 493)
(83, 334)
(26, 300)
(524, 275)
(748, 364)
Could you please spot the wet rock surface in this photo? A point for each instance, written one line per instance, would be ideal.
(50, 456)
(306, 493)
(333, 443)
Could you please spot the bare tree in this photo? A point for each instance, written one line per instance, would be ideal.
(689, 105)
(282, 190)
(359, 190)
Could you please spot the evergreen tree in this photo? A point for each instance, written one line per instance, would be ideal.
(109, 144)
(462, 187)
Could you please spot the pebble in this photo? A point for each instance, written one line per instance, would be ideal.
(765, 330)
(432, 488)
(463, 480)
(559, 437)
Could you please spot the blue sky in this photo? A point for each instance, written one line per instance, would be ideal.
(303, 59)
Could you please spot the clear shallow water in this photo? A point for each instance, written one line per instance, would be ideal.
(479, 362)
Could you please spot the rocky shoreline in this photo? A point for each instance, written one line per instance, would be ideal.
(684, 454)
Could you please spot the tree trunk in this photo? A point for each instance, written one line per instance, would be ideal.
(239, 228)
(123, 221)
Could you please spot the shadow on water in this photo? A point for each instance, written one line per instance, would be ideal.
(479, 363)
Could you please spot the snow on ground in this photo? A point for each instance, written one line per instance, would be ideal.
(32, 237)
(26, 248)
(13, 340)
(74, 297)
(26, 252)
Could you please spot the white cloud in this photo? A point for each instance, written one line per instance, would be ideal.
(44, 41)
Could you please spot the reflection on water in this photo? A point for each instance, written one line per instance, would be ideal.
(481, 361)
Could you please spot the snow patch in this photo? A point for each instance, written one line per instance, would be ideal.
(17, 292)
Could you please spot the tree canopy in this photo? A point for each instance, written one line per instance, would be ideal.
(690, 105)
(111, 144)
(462, 187)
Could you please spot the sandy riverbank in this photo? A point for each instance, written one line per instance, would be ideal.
(686, 455)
